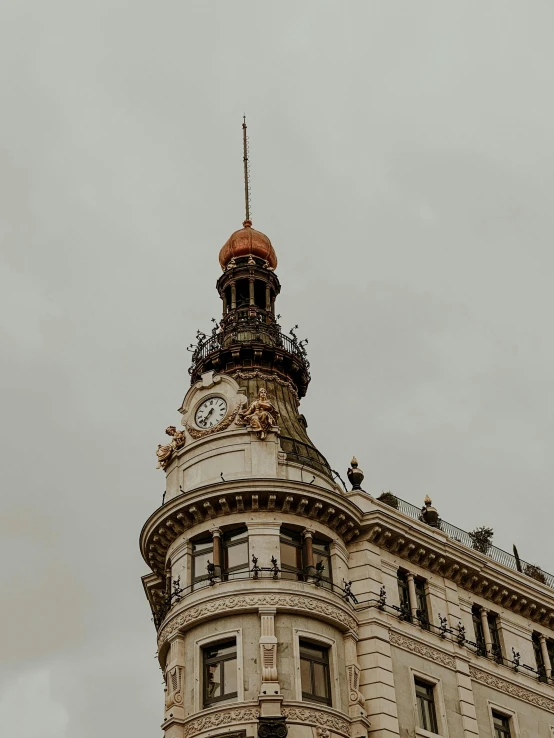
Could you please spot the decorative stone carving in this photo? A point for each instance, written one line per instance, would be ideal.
(174, 693)
(220, 718)
(319, 718)
(354, 694)
(267, 377)
(225, 423)
(272, 727)
(268, 645)
(512, 689)
(165, 453)
(302, 603)
(422, 649)
(261, 415)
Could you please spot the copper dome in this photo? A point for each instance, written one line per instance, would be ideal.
(245, 242)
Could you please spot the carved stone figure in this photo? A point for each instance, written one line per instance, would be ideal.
(165, 453)
(261, 414)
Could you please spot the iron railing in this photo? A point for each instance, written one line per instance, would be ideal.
(494, 553)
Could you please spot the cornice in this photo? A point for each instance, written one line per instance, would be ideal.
(218, 602)
(422, 649)
(251, 495)
(432, 550)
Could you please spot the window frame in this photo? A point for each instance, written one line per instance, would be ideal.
(213, 640)
(226, 544)
(207, 701)
(404, 593)
(420, 585)
(300, 547)
(324, 661)
(200, 579)
(506, 713)
(320, 641)
(440, 708)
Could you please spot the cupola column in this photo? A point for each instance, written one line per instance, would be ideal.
(251, 291)
(308, 546)
(545, 656)
(412, 594)
(486, 629)
(216, 534)
(267, 298)
(233, 295)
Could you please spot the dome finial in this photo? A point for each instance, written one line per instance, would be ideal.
(247, 221)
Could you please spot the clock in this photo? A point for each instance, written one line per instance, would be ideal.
(211, 412)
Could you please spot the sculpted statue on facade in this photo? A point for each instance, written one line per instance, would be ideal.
(261, 414)
(165, 453)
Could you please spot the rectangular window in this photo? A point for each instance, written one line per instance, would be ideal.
(425, 698)
(404, 594)
(495, 637)
(501, 725)
(219, 672)
(314, 672)
(538, 657)
(322, 556)
(478, 628)
(235, 554)
(292, 559)
(421, 600)
(202, 552)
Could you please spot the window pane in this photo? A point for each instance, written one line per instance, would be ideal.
(291, 535)
(201, 564)
(237, 555)
(306, 678)
(230, 676)
(213, 681)
(289, 556)
(234, 535)
(311, 651)
(320, 680)
(221, 649)
(325, 559)
(202, 545)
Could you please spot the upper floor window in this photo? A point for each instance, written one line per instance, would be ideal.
(542, 667)
(202, 552)
(501, 725)
(492, 621)
(219, 672)
(419, 597)
(322, 558)
(292, 554)
(426, 710)
(314, 672)
(235, 554)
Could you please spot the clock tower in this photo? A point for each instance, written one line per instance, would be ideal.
(248, 551)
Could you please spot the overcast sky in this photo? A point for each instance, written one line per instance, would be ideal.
(403, 166)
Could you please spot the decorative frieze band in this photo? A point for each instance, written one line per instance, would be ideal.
(319, 718)
(303, 603)
(514, 690)
(422, 649)
(219, 719)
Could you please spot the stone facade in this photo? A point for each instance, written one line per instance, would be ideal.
(384, 601)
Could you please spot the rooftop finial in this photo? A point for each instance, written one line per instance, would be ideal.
(246, 171)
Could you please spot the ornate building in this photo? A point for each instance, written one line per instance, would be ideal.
(286, 603)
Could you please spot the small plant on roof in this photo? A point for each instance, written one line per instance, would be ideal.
(535, 572)
(389, 499)
(481, 539)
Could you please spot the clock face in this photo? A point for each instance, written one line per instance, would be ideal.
(211, 412)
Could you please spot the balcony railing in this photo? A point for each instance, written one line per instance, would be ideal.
(494, 553)
(246, 333)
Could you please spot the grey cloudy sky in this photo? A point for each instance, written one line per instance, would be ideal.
(403, 166)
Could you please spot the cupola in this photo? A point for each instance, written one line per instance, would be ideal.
(248, 242)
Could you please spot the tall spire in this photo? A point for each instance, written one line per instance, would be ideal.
(246, 170)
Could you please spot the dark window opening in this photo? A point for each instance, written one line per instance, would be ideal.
(421, 603)
(404, 595)
(501, 725)
(259, 294)
(243, 293)
(314, 672)
(220, 672)
(425, 698)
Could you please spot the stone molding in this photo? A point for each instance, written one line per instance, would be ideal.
(319, 718)
(514, 690)
(422, 649)
(304, 603)
(219, 719)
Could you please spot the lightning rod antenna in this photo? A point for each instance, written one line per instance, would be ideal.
(246, 168)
